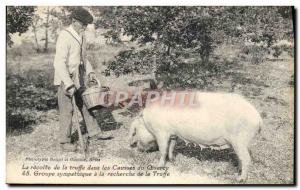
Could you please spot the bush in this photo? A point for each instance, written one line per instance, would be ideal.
(175, 70)
(177, 74)
(279, 48)
(132, 61)
(27, 94)
(19, 118)
(254, 53)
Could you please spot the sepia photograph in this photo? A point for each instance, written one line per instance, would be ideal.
(164, 95)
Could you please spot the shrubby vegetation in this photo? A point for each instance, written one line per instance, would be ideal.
(26, 95)
(29, 87)
(18, 19)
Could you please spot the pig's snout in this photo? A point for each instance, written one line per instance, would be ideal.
(140, 148)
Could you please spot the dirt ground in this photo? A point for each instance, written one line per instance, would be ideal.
(265, 85)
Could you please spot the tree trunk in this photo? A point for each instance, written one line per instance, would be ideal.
(36, 40)
(116, 38)
(34, 28)
(46, 31)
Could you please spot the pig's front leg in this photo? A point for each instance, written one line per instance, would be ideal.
(171, 148)
(163, 144)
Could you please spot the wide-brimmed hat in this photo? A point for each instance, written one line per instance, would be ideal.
(82, 15)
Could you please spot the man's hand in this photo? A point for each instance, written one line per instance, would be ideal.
(92, 77)
(70, 91)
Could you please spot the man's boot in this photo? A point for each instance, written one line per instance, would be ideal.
(101, 136)
(68, 147)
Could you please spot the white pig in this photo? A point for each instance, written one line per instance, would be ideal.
(220, 119)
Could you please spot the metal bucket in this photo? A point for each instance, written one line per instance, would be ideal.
(95, 97)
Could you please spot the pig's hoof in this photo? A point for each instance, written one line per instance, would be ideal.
(172, 159)
(161, 164)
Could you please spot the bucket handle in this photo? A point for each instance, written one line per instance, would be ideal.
(98, 82)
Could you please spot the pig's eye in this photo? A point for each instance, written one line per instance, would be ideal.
(133, 145)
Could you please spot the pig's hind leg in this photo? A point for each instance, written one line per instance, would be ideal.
(241, 149)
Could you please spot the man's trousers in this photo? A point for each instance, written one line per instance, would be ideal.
(66, 111)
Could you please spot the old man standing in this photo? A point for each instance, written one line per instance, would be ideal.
(69, 62)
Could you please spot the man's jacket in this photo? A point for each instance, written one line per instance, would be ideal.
(67, 58)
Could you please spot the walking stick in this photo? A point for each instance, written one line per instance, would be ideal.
(81, 140)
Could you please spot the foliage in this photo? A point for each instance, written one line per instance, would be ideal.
(170, 27)
(106, 18)
(18, 19)
(170, 33)
(179, 75)
(132, 61)
(60, 17)
(135, 61)
(25, 94)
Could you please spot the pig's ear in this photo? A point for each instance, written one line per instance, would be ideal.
(131, 135)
